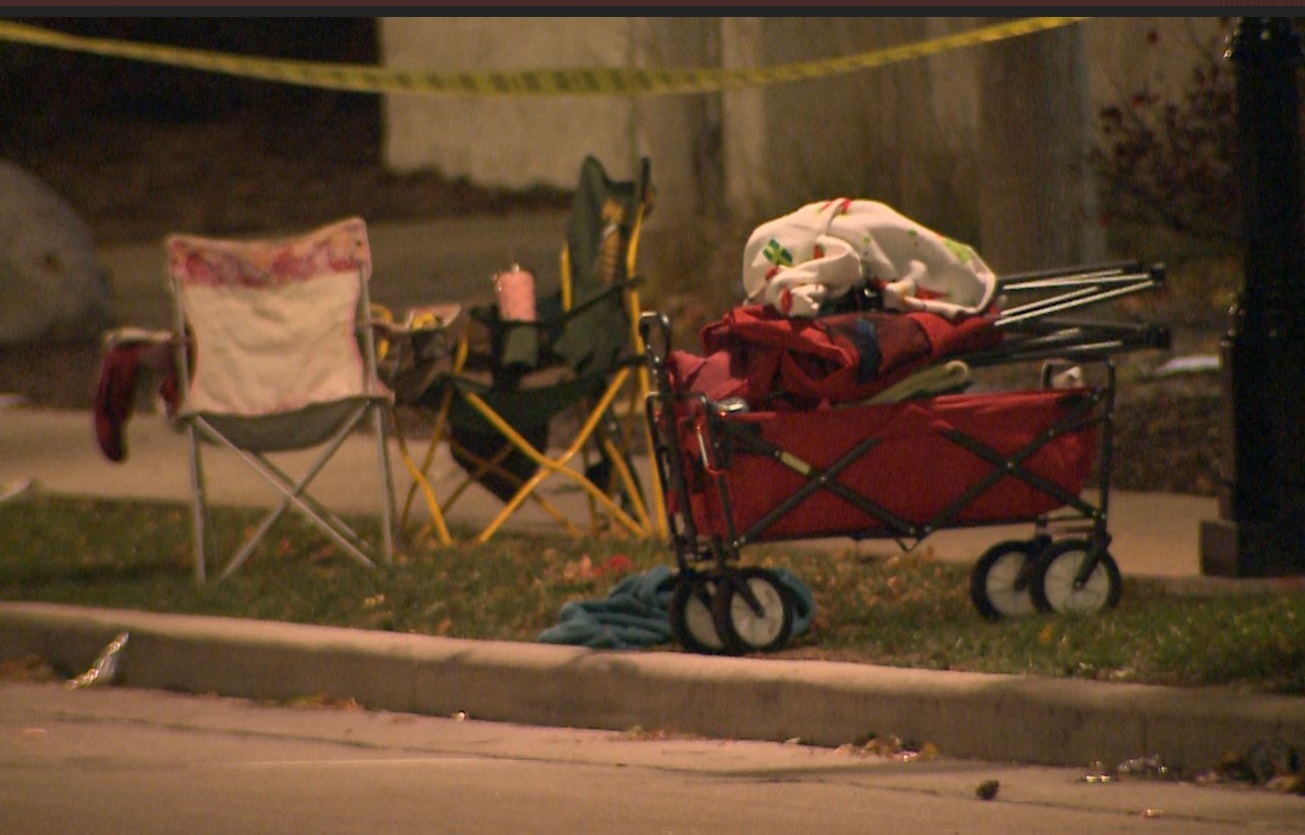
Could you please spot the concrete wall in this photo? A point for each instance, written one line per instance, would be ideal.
(906, 134)
(510, 141)
(899, 134)
(519, 142)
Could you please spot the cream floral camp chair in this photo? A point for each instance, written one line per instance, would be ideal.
(279, 356)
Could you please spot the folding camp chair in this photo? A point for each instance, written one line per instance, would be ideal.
(278, 356)
(494, 407)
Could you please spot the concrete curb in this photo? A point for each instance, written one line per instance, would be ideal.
(967, 715)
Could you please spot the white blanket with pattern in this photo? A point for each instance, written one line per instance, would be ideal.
(818, 253)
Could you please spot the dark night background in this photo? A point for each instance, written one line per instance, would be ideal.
(54, 92)
(142, 149)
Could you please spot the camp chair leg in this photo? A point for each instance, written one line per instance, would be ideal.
(329, 523)
(421, 474)
(585, 465)
(519, 499)
(252, 542)
(658, 497)
(414, 470)
(628, 484)
(622, 478)
(421, 482)
(321, 515)
(626, 429)
(199, 504)
(387, 479)
(550, 466)
(335, 528)
(418, 473)
(488, 466)
(483, 467)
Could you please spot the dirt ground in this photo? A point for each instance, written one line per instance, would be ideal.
(135, 181)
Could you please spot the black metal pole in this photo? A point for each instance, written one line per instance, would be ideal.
(1261, 529)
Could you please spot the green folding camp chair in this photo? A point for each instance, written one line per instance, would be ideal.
(510, 384)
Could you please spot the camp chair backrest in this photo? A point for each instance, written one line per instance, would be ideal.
(273, 324)
(605, 215)
(601, 242)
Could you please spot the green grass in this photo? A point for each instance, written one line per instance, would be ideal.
(909, 610)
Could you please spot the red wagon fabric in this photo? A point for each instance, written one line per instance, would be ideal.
(918, 465)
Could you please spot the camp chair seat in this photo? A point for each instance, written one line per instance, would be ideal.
(299, 429)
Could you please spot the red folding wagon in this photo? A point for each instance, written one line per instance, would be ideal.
(859, 424)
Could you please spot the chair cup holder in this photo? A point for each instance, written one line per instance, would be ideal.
(517, 346)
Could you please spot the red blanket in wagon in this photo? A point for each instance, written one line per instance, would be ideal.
(780, 363)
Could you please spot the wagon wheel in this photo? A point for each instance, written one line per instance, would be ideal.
(1001, 581)
(1056, 584)
(752, 612)
(692, 622)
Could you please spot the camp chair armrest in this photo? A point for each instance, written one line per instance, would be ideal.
(422, 319)
(620, 286)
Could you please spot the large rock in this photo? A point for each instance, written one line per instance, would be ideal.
(52, 289)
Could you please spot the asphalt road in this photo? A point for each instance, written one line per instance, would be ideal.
(114, 760)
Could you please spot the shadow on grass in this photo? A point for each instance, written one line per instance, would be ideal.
(98, 574)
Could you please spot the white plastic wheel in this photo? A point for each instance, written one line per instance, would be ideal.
(745, 628)
(692, 621)
(1054, 587)
(1000, 585)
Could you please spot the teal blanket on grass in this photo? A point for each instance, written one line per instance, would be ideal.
(636, 612)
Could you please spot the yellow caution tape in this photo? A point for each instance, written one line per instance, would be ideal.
(364, 78)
